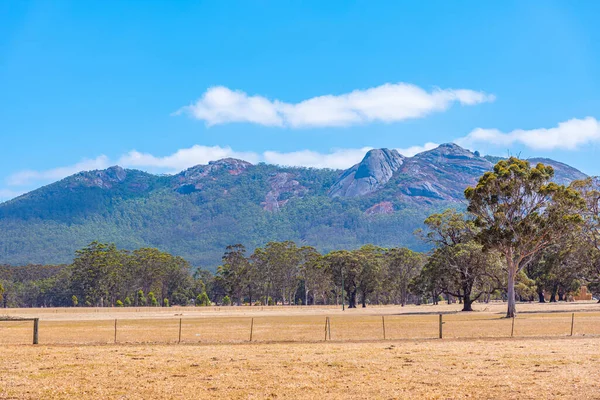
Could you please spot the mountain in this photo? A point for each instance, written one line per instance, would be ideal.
(201, 210)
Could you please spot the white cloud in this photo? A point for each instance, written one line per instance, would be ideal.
(568, 135)
(29, 177)
(183, 158)
(385, 103)
(337, 159)
(411, 151)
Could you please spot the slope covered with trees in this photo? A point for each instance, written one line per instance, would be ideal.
(197, 213)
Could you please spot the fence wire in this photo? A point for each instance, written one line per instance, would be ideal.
(299, 328)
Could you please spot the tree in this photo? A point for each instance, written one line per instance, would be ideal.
(590, 249)
(519, 212)
(402, 266)
(345, 266)
(74, 300)
(317, 281)
(459, 266)
(234, 273)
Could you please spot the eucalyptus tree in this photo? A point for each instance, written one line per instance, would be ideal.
(234, 272)
(459, 265)
(519, 212)
(590, 191)
(402, 265)
(345, 267)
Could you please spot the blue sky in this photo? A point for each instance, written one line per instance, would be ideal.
(164, 85)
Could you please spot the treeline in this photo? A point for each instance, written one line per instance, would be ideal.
(521, 238)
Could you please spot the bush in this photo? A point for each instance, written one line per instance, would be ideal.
(166, 302)
(141, 300)
(152, 299)
(74, 301)
(119, 303)
(270, 301)
(226, 301)
(127, 302)
(202, 300)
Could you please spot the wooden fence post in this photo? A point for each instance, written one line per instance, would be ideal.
(251, 328)
(326, 324)
(441, 326)
(329, 327)
(35, 330)
(179, 341)
(512, 328)
(572, 323)
(383, 323)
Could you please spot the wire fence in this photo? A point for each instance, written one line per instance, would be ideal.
(299, 328)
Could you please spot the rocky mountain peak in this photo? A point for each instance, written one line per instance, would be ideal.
(374, 171)
(104, 178)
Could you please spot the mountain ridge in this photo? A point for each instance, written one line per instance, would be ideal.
(197, 212)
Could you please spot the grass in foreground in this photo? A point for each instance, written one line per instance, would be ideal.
(495, 368)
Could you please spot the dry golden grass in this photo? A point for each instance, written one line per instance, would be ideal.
(436, 369)
(76, 357)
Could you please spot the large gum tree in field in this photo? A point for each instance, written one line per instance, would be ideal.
(521, 212)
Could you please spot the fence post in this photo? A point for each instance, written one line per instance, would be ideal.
(179, 341)
(383, 323)
(251, 328)
(115, 330)
(35, 330)
(326, 323)
(512, 329)
(329, 327)
(572, 322)
(441, 326)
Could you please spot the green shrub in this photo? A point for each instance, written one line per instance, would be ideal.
(152, 299)
(74, 301)
(226, 301)
(202, 300)
(119, 303)
(141, 300)
(166, 302)
(127, 302)
(270, 301)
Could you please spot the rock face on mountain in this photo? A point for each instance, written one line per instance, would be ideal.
(104, 179)
(439, 174)
(372, 173)
(198, 212)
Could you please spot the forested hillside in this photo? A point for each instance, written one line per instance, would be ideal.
(200, 211)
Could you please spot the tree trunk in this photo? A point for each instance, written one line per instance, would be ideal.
(352, 299)
(512, 307)
(364, 300)
(541, 297)
(467, 302)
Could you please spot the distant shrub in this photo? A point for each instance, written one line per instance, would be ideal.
(127, 302)
(152, 299)
(141, 300)
(166, 302)
(202, 300)
(119, 303)
(226, 301)
(74, 301)
(270, 301)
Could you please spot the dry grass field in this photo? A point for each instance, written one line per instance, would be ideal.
(288, 358)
